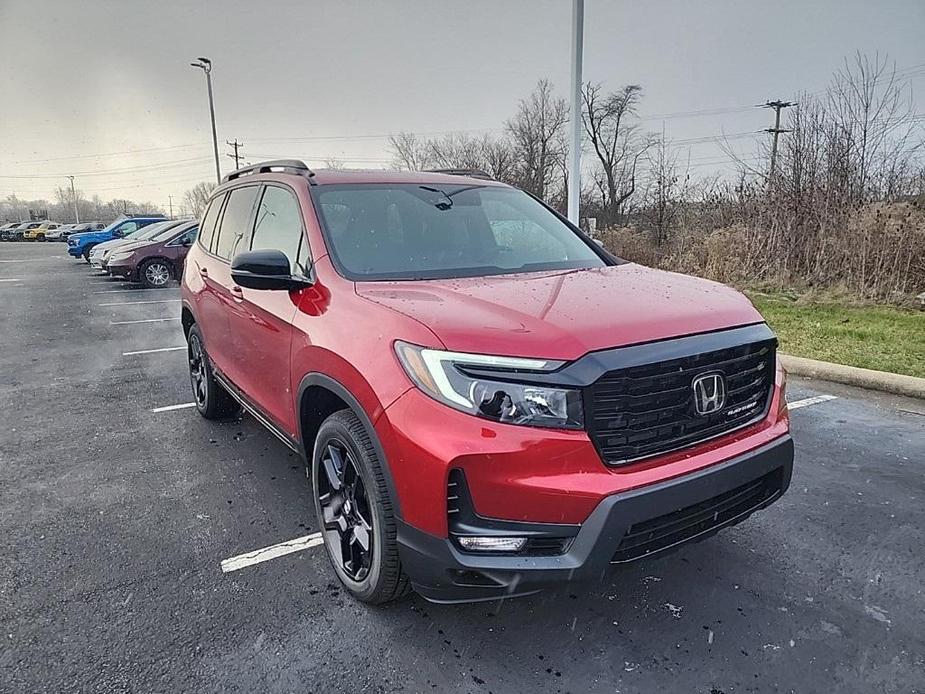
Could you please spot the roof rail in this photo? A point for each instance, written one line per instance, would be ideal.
(295, 166)
(471, 173)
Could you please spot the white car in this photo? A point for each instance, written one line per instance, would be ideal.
(56, 234)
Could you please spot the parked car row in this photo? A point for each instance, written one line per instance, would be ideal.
(148, 250)
(44, 230)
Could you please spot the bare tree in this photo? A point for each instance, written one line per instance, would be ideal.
(409, 152)
(538, 138)
(616, 142)
(666, 191)
(195, 198)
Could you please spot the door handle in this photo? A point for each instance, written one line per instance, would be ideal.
(237, 293)
(203, 272)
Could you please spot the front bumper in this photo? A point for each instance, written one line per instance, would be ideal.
(625, 526)
(120, 269)
(76, 251)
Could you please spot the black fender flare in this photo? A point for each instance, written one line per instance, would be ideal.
(336, 387)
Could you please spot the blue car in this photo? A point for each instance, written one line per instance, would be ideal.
(79, 245)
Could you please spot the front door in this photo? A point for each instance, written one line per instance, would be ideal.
(263, 327)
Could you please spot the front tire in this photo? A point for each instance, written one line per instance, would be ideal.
(354, 510)
(86, 253)
(154, 273)
(211, 398)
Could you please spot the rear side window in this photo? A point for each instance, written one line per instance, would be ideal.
(278, 224)
(235, 221)
(207, 227)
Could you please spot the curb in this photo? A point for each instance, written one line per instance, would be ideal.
(910, 386)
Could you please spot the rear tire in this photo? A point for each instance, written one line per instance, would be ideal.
(211, 398)
(354, 508)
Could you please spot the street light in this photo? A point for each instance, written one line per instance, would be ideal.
(74, 199)
(574, 163)
(205, 65)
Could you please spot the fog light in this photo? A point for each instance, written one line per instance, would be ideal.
(492, 544)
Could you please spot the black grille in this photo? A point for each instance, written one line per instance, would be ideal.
(700, 519)
(645, 410)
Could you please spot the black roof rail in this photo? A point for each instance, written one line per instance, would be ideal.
(471, 173)
(295, 166)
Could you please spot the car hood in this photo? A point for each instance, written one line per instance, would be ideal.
(84, 234)
(564, 314)
(110, 245)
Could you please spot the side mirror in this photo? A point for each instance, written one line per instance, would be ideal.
(265, 269)
(187, 241)
(118, 234)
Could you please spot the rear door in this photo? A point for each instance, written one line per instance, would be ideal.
(223, 299)
(209, 310)
(262, 329)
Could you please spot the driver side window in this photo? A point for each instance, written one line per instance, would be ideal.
(278, 225)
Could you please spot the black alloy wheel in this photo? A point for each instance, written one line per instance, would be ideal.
(212, 400)
(347, 520)
(355, 510)
(197, 371)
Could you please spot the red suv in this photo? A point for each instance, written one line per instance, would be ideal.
(488, 403)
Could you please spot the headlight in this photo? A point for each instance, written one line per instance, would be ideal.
(124, 255)
(444, 377)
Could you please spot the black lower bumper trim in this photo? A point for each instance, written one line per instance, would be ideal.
(623, 527)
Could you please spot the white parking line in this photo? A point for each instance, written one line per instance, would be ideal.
(152, 351)
(120, 291)
(146, 320)
(11, 280)
(27, 260)
(170, 408)
(135, 303)
(271, 552)
(805, 402)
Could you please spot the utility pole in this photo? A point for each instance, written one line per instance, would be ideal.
(574, 155)
(170, 203)
(74, 200)
(776, 130)
(205, 65)
(237, 157)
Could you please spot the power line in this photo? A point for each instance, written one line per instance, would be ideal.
(236, 156)
(776, 130)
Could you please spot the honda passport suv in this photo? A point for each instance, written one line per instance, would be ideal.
(488, 403)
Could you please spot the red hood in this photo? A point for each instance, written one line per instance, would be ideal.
(565, 314)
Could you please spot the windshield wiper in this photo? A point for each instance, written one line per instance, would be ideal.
(442, 206)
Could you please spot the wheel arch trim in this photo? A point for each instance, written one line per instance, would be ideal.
(316, 379)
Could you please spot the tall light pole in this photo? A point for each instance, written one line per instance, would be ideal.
(205, 65)
(74, 200)
(574, 158)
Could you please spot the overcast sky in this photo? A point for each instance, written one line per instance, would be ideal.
(103, 89)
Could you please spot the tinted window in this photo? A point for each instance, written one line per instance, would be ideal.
(128, 227)
(208, 222)
(278, 224)
(187, 236)
(235, 220)
(410, 231)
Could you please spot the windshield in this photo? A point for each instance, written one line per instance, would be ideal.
(150, 231)
(170, 232)
(411, 231)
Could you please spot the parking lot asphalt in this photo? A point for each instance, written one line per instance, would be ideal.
(114, 521)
